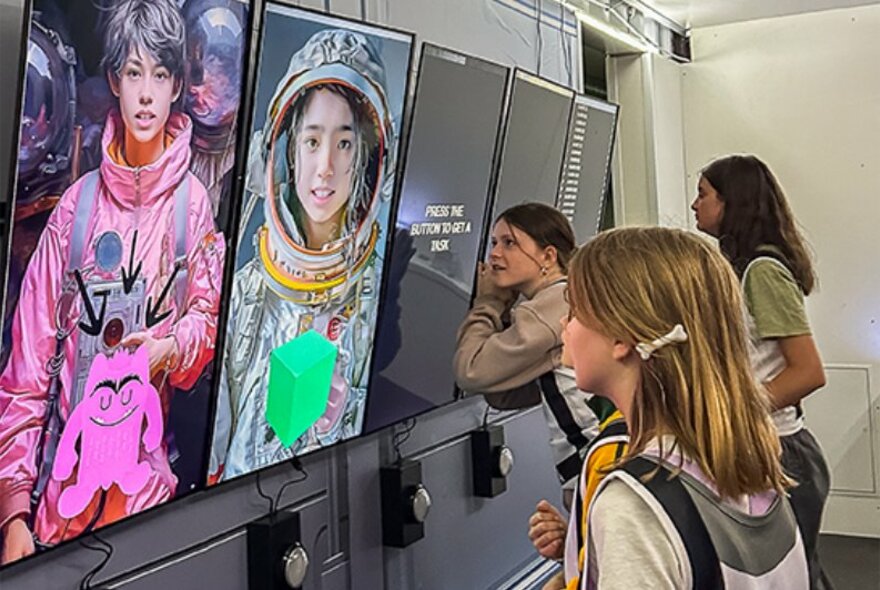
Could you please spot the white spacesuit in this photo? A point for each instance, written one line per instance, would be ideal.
(288, 288)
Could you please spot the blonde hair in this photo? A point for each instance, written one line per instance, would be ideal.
(635, 284)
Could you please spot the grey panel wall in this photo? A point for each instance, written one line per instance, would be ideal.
(199, 542)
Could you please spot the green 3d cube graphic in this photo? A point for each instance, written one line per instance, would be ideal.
(300, 373)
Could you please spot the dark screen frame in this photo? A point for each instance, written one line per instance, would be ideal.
(523, 76)
(488, 204)
(12, 180)
(255, 15)
(591, 103)
(406, 115)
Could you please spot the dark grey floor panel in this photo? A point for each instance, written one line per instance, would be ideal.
(852, 563)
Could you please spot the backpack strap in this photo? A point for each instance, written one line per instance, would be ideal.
(53, 424)
(181, 214)
(569, 467)
(82, 214)
(705, 566)
(615, 432)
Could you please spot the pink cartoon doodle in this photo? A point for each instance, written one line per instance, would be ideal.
(109, 422)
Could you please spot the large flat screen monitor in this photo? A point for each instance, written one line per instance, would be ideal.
(324, 146)
(537, 125)
(587, 164)
(443, 206)
(124, 176)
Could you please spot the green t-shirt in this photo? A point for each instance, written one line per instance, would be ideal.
(774, 300)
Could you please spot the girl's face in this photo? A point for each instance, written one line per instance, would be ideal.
(591, 354)
(146, 90)
(708, 208)
(325, 153)
(515, 258)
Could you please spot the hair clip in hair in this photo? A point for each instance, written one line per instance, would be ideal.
(676, 335)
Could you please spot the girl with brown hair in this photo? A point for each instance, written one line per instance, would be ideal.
(741, 203)
(510, 344)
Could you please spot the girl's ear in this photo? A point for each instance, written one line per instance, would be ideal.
(551, 255)
(113, 82)
(620, 350)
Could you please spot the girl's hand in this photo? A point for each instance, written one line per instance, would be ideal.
(486, 286)
(547, 530)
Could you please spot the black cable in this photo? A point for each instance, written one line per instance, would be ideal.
(304, 475)
(566, 50)
(539, 7)
(103, 547)
(401, 436)
(264, 495)
(275, 503)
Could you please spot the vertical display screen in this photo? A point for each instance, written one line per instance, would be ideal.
(124, 180)
(586, 166)
(537, 125)
(315, 224)
(441, 215)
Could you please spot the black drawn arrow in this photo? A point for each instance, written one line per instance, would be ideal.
(129, 276)
(93, 328)
(152, 318)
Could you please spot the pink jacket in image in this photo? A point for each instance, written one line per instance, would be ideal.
(128, 199)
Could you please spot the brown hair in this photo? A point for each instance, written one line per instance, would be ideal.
(756, 213)
(635, 285)
(546, 225)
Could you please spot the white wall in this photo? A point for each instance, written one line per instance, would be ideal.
(504, 31)
(648, 164)
(803, 93)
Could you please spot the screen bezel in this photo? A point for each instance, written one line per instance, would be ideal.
(406, 114)
(526, 77)
(591, 102)
(456, 393)
(254, 27)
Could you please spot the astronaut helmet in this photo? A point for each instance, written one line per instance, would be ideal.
(326, 151)
(47, 115)
(214, 43)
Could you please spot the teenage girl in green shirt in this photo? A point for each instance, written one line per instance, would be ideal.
(741, 203)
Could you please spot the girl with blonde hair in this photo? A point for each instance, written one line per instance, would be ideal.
(698, 500)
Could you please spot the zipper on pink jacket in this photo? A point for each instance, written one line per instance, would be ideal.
(137, 196)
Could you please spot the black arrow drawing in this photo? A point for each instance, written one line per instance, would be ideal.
(129, 276)
(93, 328)
(152, 318)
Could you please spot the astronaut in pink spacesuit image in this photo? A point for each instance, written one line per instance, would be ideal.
(130, 260)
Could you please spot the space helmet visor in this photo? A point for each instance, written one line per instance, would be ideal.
(215, 45)
(370, 118)
(48, 105)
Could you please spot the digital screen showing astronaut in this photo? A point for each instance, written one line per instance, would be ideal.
(315, 221)
(443, 206)
(123, 179)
